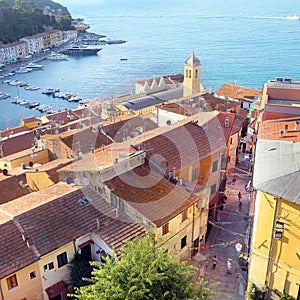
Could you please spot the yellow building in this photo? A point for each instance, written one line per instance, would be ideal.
(275, 248)
(31, 122)
(191, 82)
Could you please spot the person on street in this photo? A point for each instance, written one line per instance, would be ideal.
(229, 266)
(240, 205)
(240, 196)
(214, 262)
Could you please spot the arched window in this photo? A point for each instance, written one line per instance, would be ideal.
(196, 74)
(190, 74)
(186, 74)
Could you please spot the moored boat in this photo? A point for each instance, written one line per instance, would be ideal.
(34, 66)
(57, 56)
(82, 49)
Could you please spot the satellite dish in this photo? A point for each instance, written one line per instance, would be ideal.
(5, 172)
(77, 181)
(85, 181)
(169, 122)
(69, 180)
(30, 164)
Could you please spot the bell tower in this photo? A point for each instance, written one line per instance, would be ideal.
(191, 82)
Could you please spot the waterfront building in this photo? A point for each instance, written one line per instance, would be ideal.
(13, 52)
(233, 92)
(275, 264)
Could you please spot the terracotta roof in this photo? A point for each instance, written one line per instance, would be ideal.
(285, 130)
(17, 143)
(61, 221)
(283, 93)
(237, 92)
(11, 131)
(83, 140)
(56, 289)
(205, 102)
(238, 123)
(128, 128)
(13, 187)
(151, 194)
(180, 147)
(29, 119)
(14, 254)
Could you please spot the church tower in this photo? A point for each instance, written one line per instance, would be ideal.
(191, 82)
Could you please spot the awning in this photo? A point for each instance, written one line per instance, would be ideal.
(56, 289)
(85, 244)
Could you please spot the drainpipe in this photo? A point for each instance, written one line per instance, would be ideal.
(268, 275)
(193, 226)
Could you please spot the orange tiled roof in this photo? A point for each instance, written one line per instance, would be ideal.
(286, 130)
(237, 92)
(52, 225)
(180, 147)
(151, 194)
(13, 187)
(17, 143)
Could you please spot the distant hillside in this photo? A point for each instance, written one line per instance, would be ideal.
(19, 18)
(43, 3)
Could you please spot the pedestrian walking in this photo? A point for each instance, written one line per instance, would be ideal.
(233, 180)
(240, 196)
(240, 205)
(229, 266)
(214, 262)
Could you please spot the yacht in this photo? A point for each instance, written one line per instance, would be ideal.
(82, 49)
(57, 56)
(34, 66)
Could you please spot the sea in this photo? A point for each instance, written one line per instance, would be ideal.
(246, 42)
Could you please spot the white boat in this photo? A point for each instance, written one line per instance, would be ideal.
(293, 18)
(22, 70)
(15, 82)
(57, 56)
(34, 66)
(4, 96)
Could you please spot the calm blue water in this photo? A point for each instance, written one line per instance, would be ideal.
(248, 43)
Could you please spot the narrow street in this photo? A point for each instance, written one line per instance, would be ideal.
(230, 231)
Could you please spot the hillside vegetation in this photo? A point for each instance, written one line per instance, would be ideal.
(19, 18)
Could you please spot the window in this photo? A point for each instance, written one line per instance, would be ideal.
(195, 174)
(114, 200)
(196, 74)
(51, 266)
(12, 281)
(184, 215)
(32, 274)
(165, 229)
(213, 189)
(183, 242)
(215, 166)
(121, 205)
(62, 259)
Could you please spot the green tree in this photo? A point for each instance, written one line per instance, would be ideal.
(143, 272)
(79, 269)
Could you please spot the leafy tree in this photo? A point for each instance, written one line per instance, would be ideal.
(143, 272)
(79, 269)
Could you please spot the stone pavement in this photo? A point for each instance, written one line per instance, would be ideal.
(230, 229)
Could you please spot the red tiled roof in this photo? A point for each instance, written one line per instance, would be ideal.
(237, 92)
(29, 119)
(84, 140)
(181, 147)
(11, 131)
(286, 130)
(128, 128)
(56, 289)
(283, 93)
(13, 187)
(61, 221)
(151, 194)
(14, 254)
(17, 143)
